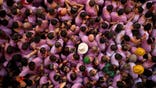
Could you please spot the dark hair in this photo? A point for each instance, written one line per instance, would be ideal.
(120, 11)
(50, 1)
(123, 1)
(54, 21)
(149, 40)
(43, 50)
(14, 11)
(73, 10)
(150, 83)
(147, 27)
(29, 34)
(104, 25)
(83, 14)
(136, 25)
(50, 35)
(25, 46)
(110, 8)
(24, 61)
(148, 14)
(15, 25)
(27, 12)
(17, 57)
(125, 47)
(37, 39)
(51, 66)
(57, 44)
(28, 81)
(53, 58)
(73, 76)
(83, 28)
(120, 84)
(109, 34)
(118, 56)
(139, 85)
(51, 11)
(31, 65)
(147, 73)
(82, 68)
(97, 19)
(113, 47)
(57, 77)
(89, 85)
(145, 56)
(3, 13)
(149, 5)
(140, 9)
(63, 33)
(16, 36)
(118, 28)
(153, 58)
(10, 2)
(76, 56)
(29, 1)
(10, 49)
(4, 22)
(126, 38)
(102, 40)
(92, 3)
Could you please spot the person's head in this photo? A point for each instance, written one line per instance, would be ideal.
(52, 58)
(57, 77)
(83, 14)
(50, 35)
(139, 85)
(43, 50)
(63, 33)
(76, 56)
(120, 12)
(148, 14)
(149, 5)
(10, 49)
(91, 37)
(113, 47)
(109, 8)
(3, 13)
(123, 1)
(118, 56)
(140, 9)
(104, 25)
(31, 65)
(82, 68)
(91, 3)
(73, 10)
(51, 11)
(83, 28)
(15, 25)
(102, 40)
(54, 22)
(73, 76)
(136, 25)
(125, 47)
(50, 1)
(126, 38)
(120, 84)
(92, 72)
(57, 44)
(118, 28)
(147, 72)
(148, 26)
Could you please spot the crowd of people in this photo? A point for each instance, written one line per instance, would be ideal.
(77, 43)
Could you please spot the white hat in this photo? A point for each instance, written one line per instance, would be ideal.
(82, 48)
